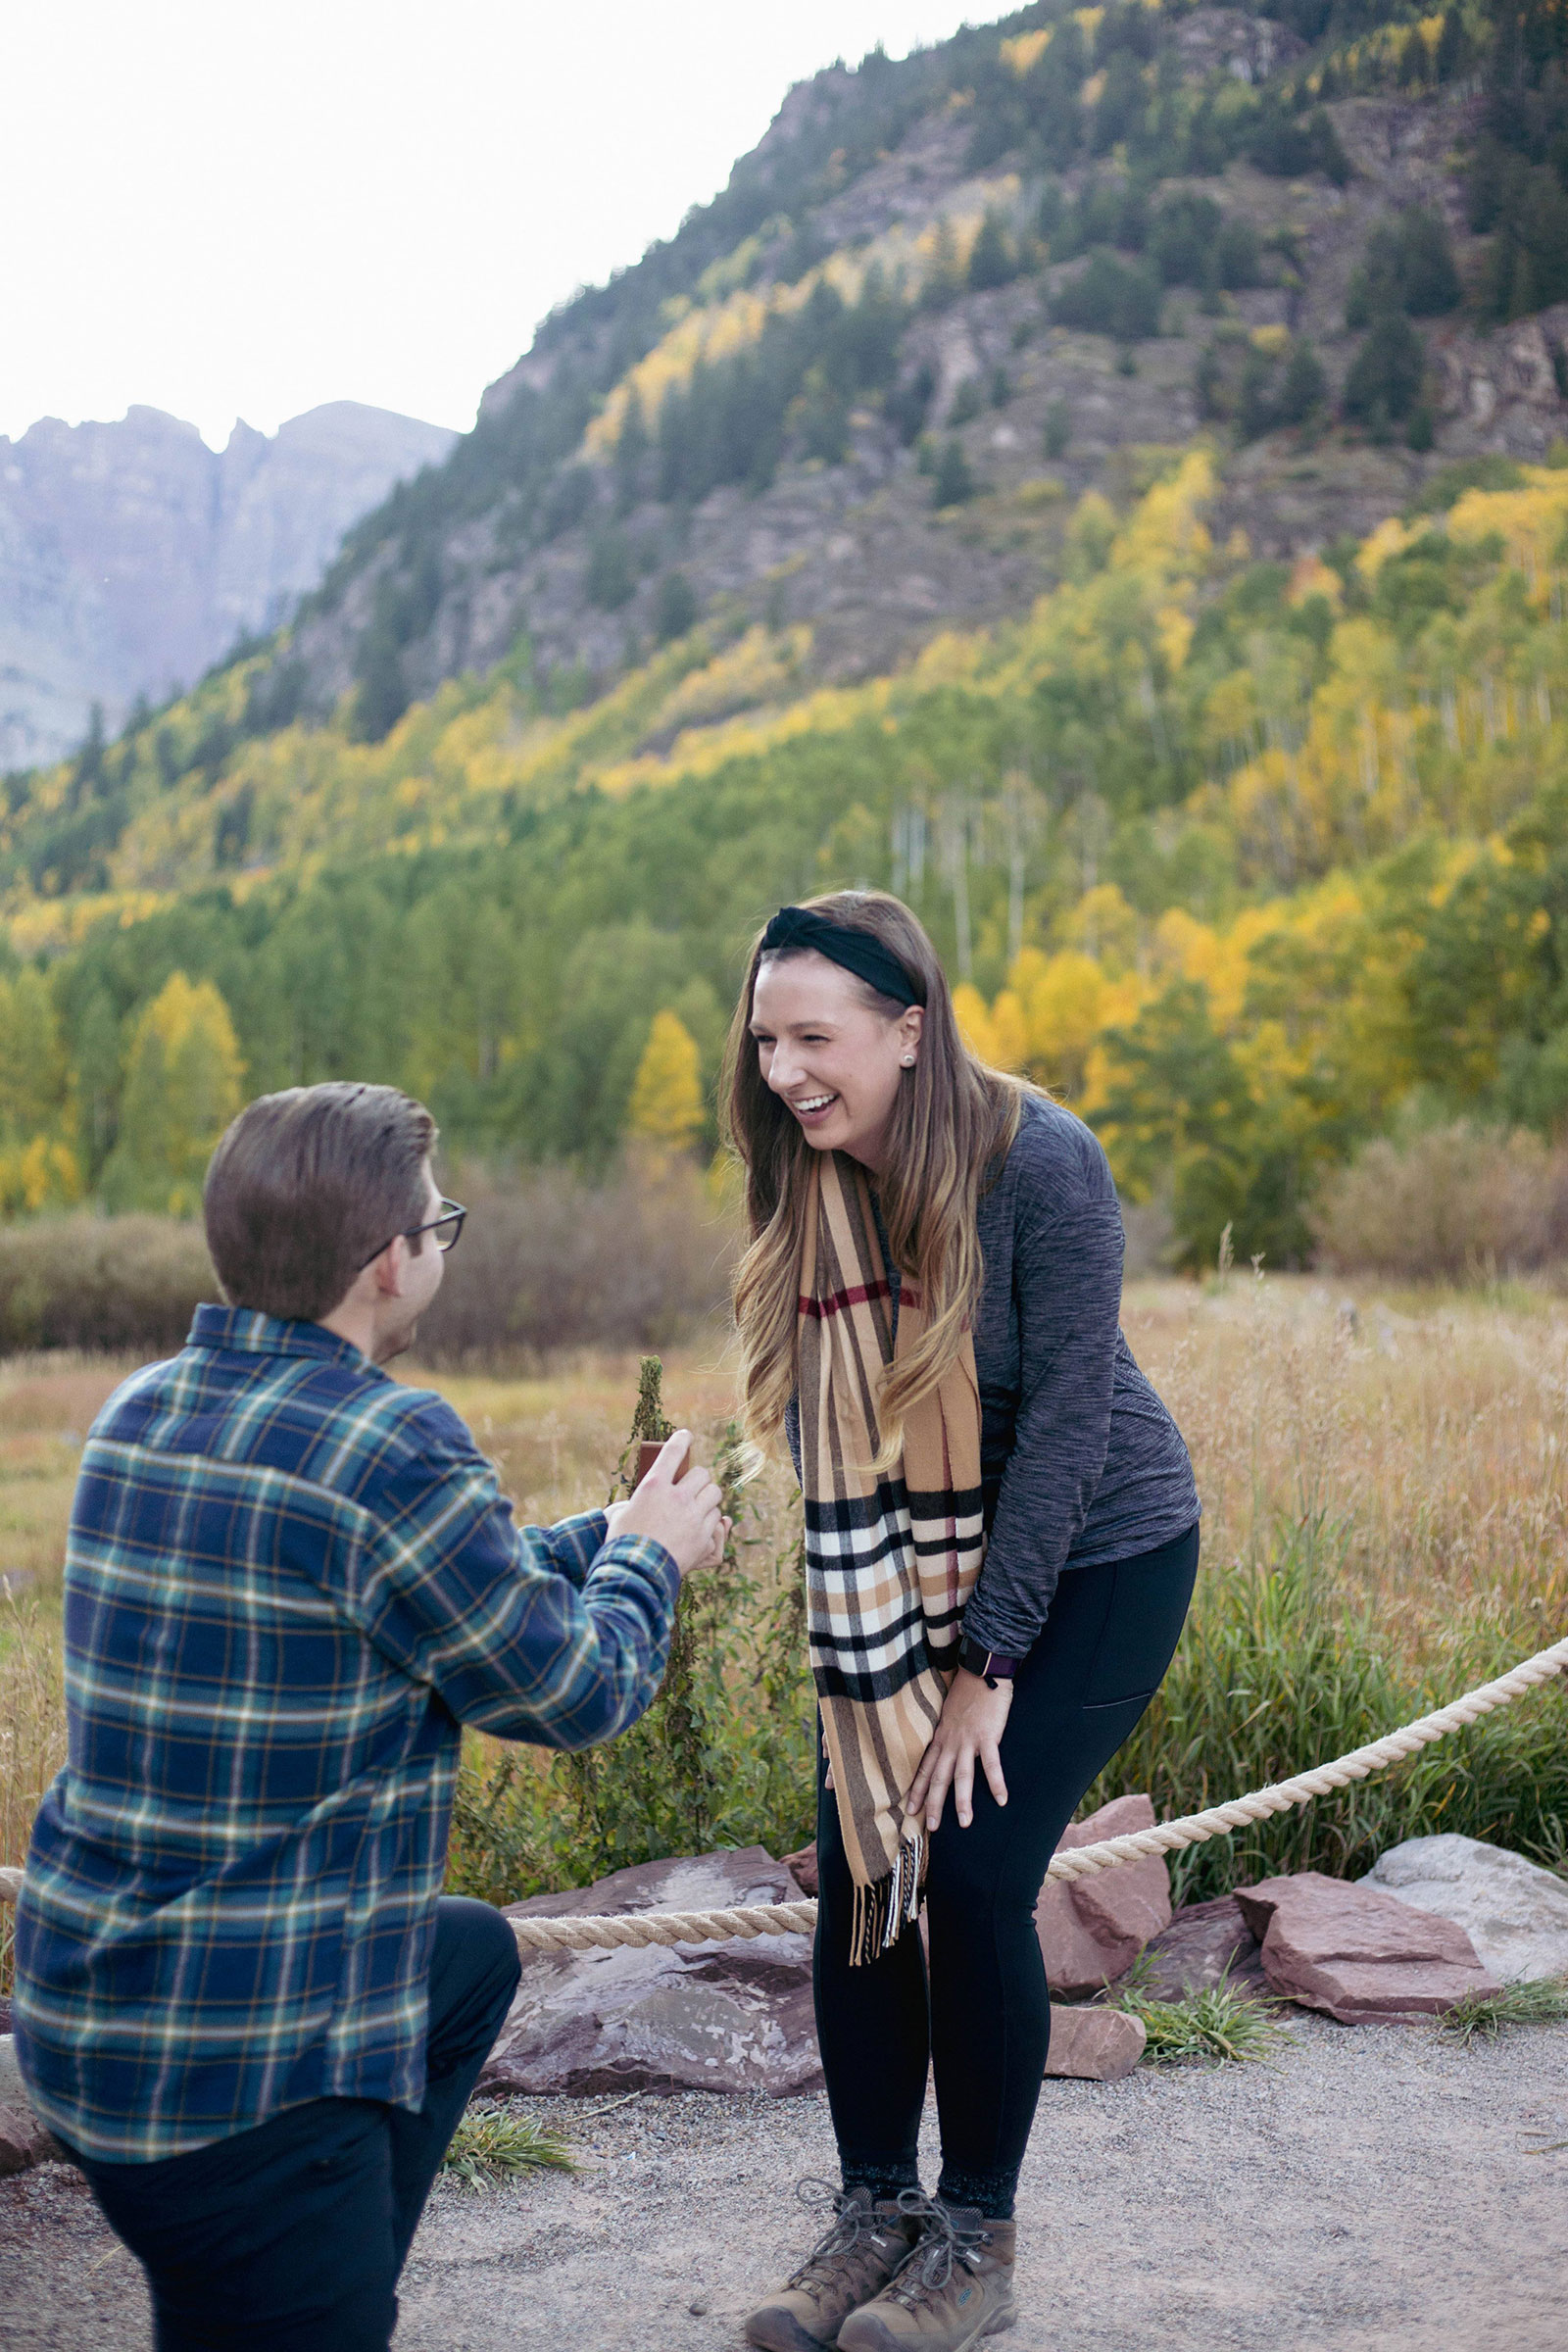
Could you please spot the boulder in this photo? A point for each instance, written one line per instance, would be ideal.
(1094, 2045)
(1203, 1943)
(1514, 1912)
(725, 2017)
(1092, 1930)
(1358, 1954)
(802, 1866)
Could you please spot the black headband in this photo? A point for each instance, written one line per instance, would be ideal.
(858, 951)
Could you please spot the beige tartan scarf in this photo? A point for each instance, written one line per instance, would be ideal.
(890, 1562)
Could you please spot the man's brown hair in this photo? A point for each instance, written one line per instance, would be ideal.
(307, 1186)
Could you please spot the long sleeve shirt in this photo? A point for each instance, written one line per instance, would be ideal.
(1080, 1461)
(289, 1581)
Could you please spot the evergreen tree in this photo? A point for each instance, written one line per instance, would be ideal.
(674, 607)
(954, 483)
(991, 259)
(666, 1108)
(611, 581)
(1384, 382)
(1058, 429)
(631, 451)
(1304, 387)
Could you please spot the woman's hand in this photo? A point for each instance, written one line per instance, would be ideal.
(972, 1724)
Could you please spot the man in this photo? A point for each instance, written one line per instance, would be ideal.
(289, 1580)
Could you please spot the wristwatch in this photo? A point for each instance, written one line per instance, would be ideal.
(990, 1666)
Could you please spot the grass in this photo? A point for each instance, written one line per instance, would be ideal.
(1385, 1484)
(1521, 2001)
(492, 2144)
(1219, 2022)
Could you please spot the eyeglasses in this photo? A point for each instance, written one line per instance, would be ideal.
(446, 1227)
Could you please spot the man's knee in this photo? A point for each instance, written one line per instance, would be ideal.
(474, 1969)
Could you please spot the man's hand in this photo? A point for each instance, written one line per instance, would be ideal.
(681, 1513)
(972, 1724)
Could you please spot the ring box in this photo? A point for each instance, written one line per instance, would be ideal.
(648, 1451)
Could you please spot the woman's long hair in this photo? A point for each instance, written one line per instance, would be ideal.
(952, 1118)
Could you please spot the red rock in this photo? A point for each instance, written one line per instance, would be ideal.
(721, 2017)
(1356, 1954)
(1094, 2045)
(1092, 1930)
(1203, 1943)
(24, 2141)
(802, 1866)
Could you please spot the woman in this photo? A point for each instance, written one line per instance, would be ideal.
(1000, 1540)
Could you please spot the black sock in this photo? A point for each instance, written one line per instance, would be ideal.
(884, 2180)
(993, 2193)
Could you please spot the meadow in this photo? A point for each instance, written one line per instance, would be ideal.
(1385, 1484)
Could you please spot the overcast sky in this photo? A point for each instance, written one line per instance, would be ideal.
(224, 210)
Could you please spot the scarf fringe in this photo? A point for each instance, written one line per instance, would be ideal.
(890, 1904)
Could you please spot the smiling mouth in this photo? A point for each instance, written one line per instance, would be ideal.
(811, 1106)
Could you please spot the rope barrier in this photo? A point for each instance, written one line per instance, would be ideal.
(598, 1933)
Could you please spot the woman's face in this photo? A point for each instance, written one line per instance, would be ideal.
(836, 1061)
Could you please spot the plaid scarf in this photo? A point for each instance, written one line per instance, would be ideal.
(890, 1561)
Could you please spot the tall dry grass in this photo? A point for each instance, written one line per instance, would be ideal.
(1385, 1482)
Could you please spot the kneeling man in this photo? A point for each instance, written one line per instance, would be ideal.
(241, 2001)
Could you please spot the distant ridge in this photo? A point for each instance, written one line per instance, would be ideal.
(132, 556)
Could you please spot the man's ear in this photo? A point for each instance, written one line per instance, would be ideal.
(390, 1268)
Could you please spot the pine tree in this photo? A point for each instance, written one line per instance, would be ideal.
(666, 1106)
(954, 482)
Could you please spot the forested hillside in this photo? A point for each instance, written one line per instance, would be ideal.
(1103, 477)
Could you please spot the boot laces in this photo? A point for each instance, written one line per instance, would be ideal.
(925, 2271)
(852, 2218)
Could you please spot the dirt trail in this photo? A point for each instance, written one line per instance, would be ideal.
(1376, 2191)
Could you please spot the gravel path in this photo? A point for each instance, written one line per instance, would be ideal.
(1371, 2190)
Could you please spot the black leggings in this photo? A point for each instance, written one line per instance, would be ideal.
(985, 2023)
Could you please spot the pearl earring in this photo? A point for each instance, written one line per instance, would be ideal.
(908, 1061)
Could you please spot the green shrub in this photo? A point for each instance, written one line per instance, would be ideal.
(1280, 1669)
(726, 1756)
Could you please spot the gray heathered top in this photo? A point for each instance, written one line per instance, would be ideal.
(1080, 1461)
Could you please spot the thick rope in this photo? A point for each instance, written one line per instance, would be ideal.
(596, 1932)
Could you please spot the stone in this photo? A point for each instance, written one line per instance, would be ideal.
(1093, 2044)
(1514, 1912)
(17, 2141)
(24, 2138)
(723, 2017)
(802, 1866)
(1092, 1930)
(1204, 1944)
(1360, 1956)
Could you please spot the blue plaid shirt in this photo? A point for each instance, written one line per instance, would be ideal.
(289, 1580)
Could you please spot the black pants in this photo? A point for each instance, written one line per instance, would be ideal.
(984, 2024)
(289, 2237)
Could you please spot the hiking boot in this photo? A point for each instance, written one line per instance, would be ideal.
(855, 2258)
(954, 2288)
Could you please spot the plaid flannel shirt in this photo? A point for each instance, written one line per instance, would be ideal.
(289, 1579)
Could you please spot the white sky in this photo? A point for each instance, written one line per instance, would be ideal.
(222, 210)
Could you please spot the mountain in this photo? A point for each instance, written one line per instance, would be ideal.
(1105, 477)
(132, 556)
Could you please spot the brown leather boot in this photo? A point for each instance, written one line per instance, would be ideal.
(955, 2287)
(855, 2258)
